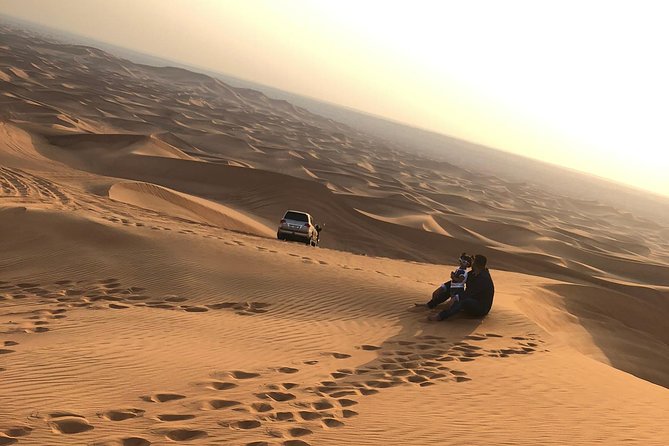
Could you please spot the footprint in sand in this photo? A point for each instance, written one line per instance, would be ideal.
(276, 396)
(68, 423)
(238, 374)
(121, 414)
(5, 440)
(321, 405)
(332, 423)
(185, 434)
(345, 402)
(476, 338)
(307, 415)
(218, 404)
(190, 309)
(349, 413)
(368, 347)
(282, 416)
(10, 435)
(221, 385)
(299, 431)
(134, 441)
(242, 425)
(342, 393)
(262, 407)
(162, 397)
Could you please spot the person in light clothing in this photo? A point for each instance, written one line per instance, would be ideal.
(453, 287)
(476, 299)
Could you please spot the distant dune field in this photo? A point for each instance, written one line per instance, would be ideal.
(144, 298)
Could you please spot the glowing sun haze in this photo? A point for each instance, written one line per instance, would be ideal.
(579, 84)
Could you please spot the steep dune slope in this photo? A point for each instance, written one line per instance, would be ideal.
(188, 207)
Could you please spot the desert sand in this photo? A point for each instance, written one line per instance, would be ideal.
(145, 300)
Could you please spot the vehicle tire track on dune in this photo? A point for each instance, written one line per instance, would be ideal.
(29, 188)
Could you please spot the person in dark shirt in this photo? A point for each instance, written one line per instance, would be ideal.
(478, 295)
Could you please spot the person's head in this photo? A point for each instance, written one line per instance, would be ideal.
(465, 260)
(480, 262)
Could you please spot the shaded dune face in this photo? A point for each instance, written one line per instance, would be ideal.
(144, 298)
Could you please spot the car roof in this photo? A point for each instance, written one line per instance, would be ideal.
(297, 212)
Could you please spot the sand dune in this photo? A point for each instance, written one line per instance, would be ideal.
(188, 207)
(145, 300)
(97, 146)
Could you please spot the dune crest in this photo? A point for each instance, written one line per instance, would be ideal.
(96, 146)
(188, 207)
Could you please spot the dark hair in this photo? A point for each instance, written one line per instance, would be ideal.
(480, 260)
(466, 258)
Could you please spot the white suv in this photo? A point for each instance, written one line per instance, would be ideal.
(297, 225)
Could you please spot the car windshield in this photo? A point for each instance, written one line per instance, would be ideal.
(297, 216)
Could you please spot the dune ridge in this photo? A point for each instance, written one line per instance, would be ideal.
(188, 207)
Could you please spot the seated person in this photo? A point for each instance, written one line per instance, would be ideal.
(453, 287)
(477, 298)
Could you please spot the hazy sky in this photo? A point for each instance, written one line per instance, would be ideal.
(583, 84)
